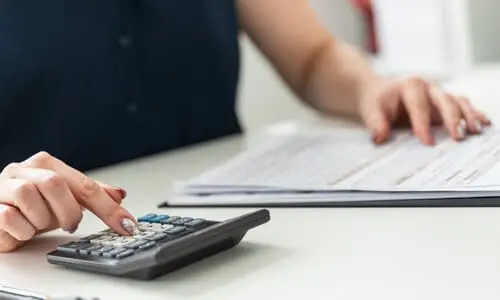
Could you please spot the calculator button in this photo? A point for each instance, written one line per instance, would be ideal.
(195, 223)
(147, 246)
(107, 255)
(94, 247)
(175, 230)
(181, 221)
(91, 237)
(87, 250)
(108, 242)
(126, 239)
(158, 236)
(90, 250)
(101, 239)
(144, 235)
(97, 252)
(166, 227)
(136, 244)
(123, 241)
(158, 218)
(124, 254)
(114, 252)
(170, 220)
(147, 217)
(143, 225)
(73, 247)
(101, 251)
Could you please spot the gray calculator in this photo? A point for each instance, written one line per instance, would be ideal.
(162, 244)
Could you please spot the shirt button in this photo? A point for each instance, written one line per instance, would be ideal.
(125, 41)
(132, 107)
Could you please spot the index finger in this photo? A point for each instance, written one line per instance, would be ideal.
(416, 101)
(87, 192)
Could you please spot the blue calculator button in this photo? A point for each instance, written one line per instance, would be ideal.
(147, 218)
(170, 220)
(158, 218)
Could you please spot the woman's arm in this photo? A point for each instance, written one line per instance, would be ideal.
(335, 77)
(325, 72)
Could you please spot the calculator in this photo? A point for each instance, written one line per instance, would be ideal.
(162, 244)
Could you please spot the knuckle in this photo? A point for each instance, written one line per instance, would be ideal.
(24, 191)
(28, 235)
(7, 243)
(464, 100)
(41, 159)
(10, 168)
(90, 189)
(52, 180)
(415, 81)
(8, 216)
(43, 223)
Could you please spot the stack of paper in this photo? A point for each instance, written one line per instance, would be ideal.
(345, 166)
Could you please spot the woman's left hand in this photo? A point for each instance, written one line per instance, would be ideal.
(420, 105)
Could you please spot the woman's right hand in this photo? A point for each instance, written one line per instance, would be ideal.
(42, 193)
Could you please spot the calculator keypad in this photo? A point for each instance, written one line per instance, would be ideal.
(153, 230)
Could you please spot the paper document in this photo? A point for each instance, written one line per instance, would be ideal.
(334, 166)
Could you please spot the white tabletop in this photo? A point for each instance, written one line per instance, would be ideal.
(365, 254)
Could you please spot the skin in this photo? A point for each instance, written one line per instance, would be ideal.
(43, 193)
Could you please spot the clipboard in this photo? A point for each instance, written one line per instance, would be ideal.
(487, 201)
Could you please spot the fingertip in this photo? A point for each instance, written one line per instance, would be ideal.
(123, 223)
(431, 140)
(129, 225)
(428, 139)
(380, 131)
(425, 135)
(380, 137)
(460, 130)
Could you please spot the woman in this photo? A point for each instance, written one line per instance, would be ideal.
(87, 83)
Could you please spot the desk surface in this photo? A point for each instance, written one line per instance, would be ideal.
(302, 253)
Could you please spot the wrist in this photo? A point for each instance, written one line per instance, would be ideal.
(368, 86)
(342, 77)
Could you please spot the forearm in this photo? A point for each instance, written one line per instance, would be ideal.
(325, 72)
(336, 78)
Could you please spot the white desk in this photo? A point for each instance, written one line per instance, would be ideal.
(365, 254)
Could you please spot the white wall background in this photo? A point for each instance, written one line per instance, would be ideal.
(263, 97)
(485, 32)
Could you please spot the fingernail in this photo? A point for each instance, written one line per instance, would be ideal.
(461, 129)
(122, 192)
(129, 226)
(478, 126)
(71, 230)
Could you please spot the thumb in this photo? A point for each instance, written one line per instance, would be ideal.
(377, 123)
(116, 193)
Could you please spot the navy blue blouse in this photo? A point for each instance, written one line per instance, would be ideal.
(96, 82)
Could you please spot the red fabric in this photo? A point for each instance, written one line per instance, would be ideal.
(366, 9)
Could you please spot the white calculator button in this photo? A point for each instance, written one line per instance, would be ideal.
(166, 227)
(123, 241)
(107, 242)
(145, 234)
(101, 239)
(126, 239)
(119, 244)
